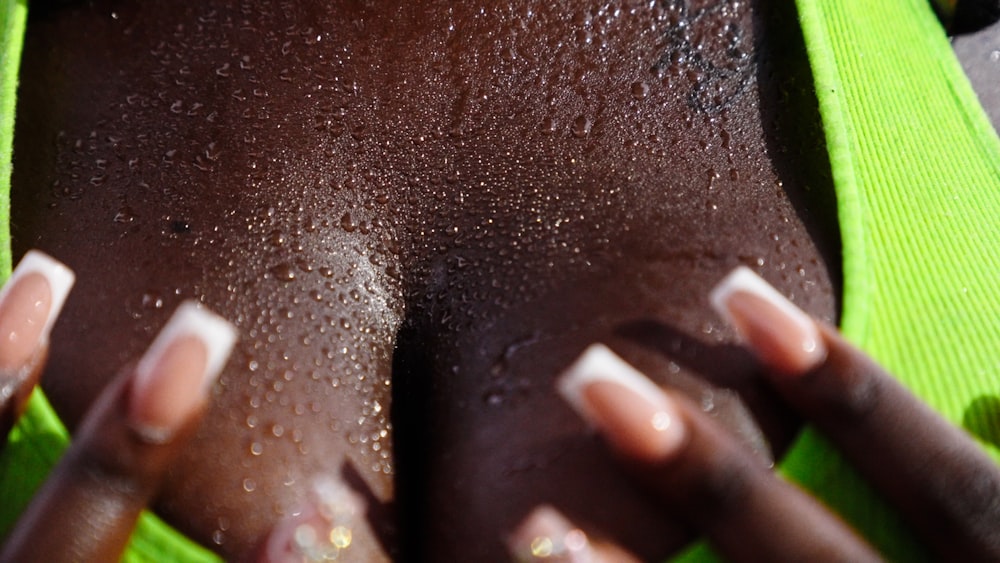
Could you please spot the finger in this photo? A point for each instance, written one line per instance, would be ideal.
(29, 304)
(546, 536)
(933, 472)
(87, 508)
(710, 479)
(322, 529)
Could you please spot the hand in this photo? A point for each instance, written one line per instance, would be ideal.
(931, 471)
(88, 507)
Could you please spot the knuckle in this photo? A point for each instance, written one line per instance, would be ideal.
(848, 389)
(725, 486)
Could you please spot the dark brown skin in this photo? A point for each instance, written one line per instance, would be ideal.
(454, 200)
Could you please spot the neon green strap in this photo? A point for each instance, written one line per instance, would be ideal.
(13, 16)
(916, 165)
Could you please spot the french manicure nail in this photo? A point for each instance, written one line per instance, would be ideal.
(633, 414)
(175, 375)
(322, 530)
(30, 302)
(545, 535)
(783, 336)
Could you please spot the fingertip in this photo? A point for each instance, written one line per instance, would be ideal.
(175, 375)
(636, 416)
(783, 336)
(321, 529)
(30, 303)
(546, 535)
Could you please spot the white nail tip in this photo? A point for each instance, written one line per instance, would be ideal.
(191, 319)
(58, 275)
(745, 280)
(599, 363)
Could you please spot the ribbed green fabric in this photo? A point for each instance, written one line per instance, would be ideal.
(916, 164)
(13, 16)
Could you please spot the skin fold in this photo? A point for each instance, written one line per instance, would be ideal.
(417, 214)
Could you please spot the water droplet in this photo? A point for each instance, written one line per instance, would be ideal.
(152, 300)
(708, 402)
(249, 485)
(125, 215)
(640, 90)
(581, 126)
(276, 238)
(548, 126)
(493, 398)
(347, 223)
(283, 272)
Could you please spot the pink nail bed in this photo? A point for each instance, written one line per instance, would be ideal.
(176, 373)
(782, 335)
(632, 412)
(30, 303)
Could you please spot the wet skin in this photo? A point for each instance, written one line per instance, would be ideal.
(450, 199)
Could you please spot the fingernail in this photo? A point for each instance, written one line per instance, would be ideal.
(29, 305)
(632, 413)
(546, 535)
(783, 336)
(322, 530)
(175, 376)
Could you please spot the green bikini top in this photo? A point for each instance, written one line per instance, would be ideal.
(916, 165)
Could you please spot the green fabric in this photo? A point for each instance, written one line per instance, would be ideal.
(13, 15)
(916, 164)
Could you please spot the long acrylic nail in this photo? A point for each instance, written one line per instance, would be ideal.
(175, 376)
(633, 414)
(546, 536)
(322, 530)
(783, 336)
(30, 302)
